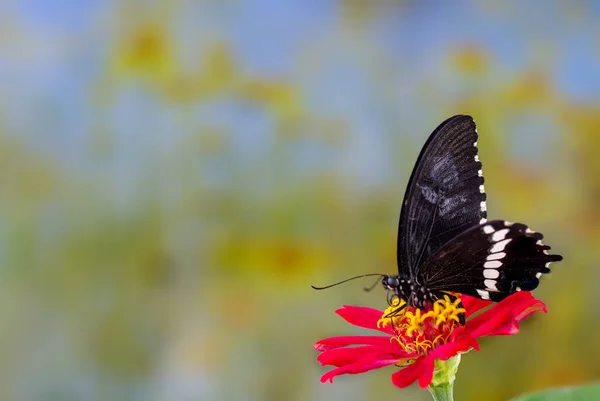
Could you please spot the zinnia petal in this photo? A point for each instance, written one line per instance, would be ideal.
(360, 366)
(421, 369)
(462, 341)
(473, 305)
(343, 341)
(363, 317)
(504, 317)
(347, 356)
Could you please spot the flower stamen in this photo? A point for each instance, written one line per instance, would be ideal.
(420, 331)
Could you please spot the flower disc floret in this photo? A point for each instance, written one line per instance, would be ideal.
(419, 331)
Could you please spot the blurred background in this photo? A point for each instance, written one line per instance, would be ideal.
(175, 174)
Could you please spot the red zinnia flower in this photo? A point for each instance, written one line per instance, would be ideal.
(415, 339)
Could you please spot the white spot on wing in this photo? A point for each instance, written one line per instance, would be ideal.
(492, 264)
(481, 189)
(476, 158)
(483, 206)
(488, 229)
(508, 223)
(491, 273)
(475, 143)
(483, 221)
(490, 284)
(499, 246)
(483, 294)
(500, 235)
(496, 256)
(538, 275)
(480, 172)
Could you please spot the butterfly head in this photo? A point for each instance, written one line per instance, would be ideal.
(390, 282)
(396, 288)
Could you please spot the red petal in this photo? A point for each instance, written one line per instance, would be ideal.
(343, 341)
(421, 369)
(360, 366)
(504, 317)
(473, 305)
(461, 341)
(347, 356)
(363, 317)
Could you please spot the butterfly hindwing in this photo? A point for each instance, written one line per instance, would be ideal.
(445, 194)
(489, 261)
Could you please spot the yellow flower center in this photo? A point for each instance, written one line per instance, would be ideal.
(420, 331)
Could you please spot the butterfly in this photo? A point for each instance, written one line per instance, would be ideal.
(446, 245)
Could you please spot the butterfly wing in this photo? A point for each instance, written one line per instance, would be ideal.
(445, 194)
(489, 261)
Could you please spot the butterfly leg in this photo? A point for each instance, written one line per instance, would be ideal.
(394, 299)
(461, 316)
(391, 297)
(396, 311)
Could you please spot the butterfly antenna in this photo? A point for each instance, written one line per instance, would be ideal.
(348, 279)
(369, 289)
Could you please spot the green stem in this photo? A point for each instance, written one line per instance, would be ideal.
(441, 393)
(443, 379)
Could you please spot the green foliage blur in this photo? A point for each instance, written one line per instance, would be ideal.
(174, 176)
(578, 393)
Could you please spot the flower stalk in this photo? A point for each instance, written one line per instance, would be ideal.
(441, 392)
(444, 374)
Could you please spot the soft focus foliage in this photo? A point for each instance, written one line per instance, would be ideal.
(579, 393)
(175, 174)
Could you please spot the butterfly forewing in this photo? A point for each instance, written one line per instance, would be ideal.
(445, 194)
(489, 261)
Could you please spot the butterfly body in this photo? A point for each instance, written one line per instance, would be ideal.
(415, 294)
(445, 243)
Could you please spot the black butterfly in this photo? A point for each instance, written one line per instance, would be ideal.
(445, 243)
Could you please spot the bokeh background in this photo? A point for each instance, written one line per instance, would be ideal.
(175, 174)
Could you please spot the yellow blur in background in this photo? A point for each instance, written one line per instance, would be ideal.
(175, 174)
